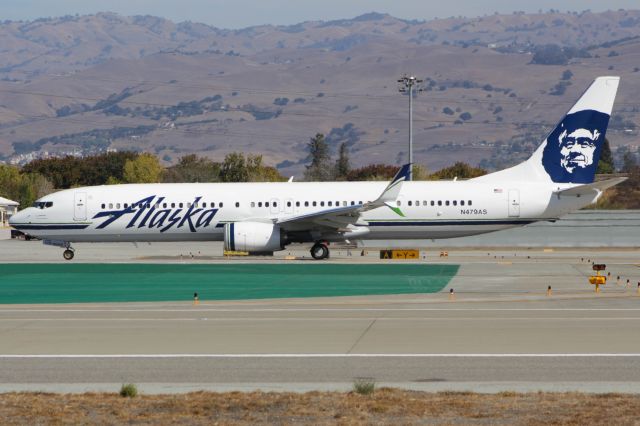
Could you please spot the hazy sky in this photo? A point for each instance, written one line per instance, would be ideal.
(243, 13)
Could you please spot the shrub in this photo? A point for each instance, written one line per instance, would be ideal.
(364, 385)
(128, 390)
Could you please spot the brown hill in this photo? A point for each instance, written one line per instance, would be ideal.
(89, 83)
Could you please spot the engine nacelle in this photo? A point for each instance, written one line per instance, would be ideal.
(252, 237)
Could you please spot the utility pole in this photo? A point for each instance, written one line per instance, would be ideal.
(409, 84)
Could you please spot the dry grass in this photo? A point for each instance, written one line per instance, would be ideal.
(386, 406)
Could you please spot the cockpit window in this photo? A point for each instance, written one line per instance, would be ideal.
(42, 204)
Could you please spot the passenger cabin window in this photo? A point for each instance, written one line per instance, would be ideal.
(469, 202)
(322, 203)
(315, 204)
(259, 203)
(110, 206)
(462, 203)
(306, 204)
(253, 204)
(446, 203)
(103, 206)
(266, 204)
(297, 203)
(330, 204)
(455, 203)
(288, 203)
(410, 203)
(237, 204)
(439, 202)
(220, 204)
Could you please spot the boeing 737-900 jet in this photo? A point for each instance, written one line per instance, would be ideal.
(265, 217)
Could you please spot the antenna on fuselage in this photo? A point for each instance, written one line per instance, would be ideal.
(290, 179)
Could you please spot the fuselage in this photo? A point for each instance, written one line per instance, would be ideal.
(199, 211)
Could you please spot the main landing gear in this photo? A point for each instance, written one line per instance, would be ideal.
(320, 251)
(68, 254)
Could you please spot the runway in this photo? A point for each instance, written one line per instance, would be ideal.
(431, 344)
(499, 331)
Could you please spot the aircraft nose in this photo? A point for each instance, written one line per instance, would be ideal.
(18, 218)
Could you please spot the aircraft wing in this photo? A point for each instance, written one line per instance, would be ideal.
(338, 218)
(591, 188)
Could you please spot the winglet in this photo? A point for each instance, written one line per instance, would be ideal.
(392, 190)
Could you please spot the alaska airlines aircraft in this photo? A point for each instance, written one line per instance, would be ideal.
(266, 217)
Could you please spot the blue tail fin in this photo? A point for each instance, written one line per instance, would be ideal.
(571, 152)
(572, 149)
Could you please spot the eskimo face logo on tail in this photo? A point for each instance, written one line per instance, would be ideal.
(148, 213)
(573, 148)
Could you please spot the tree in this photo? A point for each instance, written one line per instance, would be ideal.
(9, 182)
(419, 172)
(550, 54)
(237, 168)
(192, 168)
(566, 75)
(605, 165)
(24, 188)
(459, 170)
(320, 168)
(373, 172)
(67, 172)
(629, 163)
(144, 169)
(342, 164)
(258, 172)
(234, 168)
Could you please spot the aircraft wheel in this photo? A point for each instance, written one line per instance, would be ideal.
(319, 251)
(68, 254)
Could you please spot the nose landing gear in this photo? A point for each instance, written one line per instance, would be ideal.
(320, 251)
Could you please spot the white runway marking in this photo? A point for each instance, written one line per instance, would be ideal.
(320, 355)
(9, 310)
(246, 319)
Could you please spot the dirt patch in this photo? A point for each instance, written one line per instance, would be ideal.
(385, 406)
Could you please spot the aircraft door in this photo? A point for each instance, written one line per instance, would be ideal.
(514, 203)
(80, 206)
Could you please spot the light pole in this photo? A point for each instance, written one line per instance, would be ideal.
(409, 84)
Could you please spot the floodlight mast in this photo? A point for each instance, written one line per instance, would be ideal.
(410, 84)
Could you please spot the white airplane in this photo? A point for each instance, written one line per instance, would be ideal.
(266, 217)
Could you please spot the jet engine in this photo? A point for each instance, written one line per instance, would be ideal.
(253, 237)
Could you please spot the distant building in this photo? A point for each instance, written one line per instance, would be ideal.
(7, 209)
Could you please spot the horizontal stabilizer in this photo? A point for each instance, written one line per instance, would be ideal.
(591, 188)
